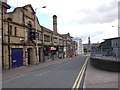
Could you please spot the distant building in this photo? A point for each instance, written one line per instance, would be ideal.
(87, 47)
(89, 42)
(19, 44)
(80, 46)
(112, 46)
(91, 47)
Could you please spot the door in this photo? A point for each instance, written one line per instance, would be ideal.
(29, 54)
(40, 55)
(17, 58)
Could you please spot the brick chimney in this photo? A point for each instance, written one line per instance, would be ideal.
(55, 24)
(89, 42)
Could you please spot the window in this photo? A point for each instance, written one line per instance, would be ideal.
(15, 31)
(38, 36)
(30, 32)
(10, 32)
(60, 41)
(46, 38)
(55, 40)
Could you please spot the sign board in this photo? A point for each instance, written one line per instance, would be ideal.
(52, 48)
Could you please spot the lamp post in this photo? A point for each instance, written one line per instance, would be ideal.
(118, 41)
(118, 30)
(1, 58)
(36, 34)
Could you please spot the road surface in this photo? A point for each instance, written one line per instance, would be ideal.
(67, 74)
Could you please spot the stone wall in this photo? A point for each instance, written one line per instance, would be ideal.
(105, 64)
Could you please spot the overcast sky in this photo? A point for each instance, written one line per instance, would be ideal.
(81, 18)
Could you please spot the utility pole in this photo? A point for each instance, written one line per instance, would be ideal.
(36, 34)
(0, 44)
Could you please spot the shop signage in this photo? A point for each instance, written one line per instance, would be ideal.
(52, 48)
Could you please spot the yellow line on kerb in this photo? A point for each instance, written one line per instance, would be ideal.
(79, 77)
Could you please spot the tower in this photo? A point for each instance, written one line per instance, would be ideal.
(88, 40)
(55, 24)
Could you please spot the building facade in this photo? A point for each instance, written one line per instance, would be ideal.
(22, 45)
(19, 41)
(112, 46)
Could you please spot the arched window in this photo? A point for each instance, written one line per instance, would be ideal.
(10, 19)
(29, 30)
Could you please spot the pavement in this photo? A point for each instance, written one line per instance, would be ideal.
(96, 78)
(7, 74)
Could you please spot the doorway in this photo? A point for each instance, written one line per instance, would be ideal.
(29, 55)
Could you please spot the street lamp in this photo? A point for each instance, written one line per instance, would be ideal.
(36, 33)
(118, 30)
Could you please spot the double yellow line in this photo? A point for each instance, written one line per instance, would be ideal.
(76, 85)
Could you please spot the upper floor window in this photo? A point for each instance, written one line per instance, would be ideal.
(15, 31)
(30, 27)
(55, 40)
(10, 19)
(46, 38)
(30, 31)
(10, 32)
(60, 41)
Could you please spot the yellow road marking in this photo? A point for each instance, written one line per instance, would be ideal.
(79, 77)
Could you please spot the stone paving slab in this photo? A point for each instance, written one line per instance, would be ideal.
(96, 78)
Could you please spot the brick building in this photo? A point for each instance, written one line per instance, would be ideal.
(19, 39)
(19, 42)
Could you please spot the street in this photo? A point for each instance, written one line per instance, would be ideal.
(67, 74)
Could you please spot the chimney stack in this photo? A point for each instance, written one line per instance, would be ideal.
(55, 24)
(89, 40)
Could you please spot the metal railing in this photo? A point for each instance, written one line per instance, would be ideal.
(109, 53)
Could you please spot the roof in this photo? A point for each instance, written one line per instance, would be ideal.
(46, 29)
(6, 5)
(65, 35)
(29, 5)
(112, 38)
(23, 7)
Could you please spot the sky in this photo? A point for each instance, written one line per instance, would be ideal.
(80, 18)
